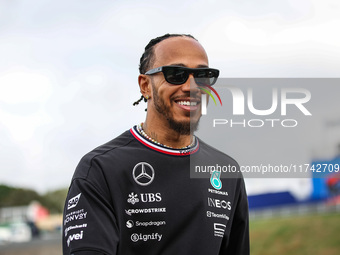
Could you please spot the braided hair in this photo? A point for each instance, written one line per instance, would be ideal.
(148, 57)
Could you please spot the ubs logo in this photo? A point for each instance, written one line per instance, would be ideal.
(144, 197)
(133, 198)
(143, 173)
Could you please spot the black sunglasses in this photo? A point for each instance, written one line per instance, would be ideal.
(177, 75)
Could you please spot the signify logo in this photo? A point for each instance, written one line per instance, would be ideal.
(140, 237)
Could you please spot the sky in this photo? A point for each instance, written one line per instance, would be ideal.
(68, 69)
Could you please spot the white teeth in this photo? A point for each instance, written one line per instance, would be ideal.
(188, 103)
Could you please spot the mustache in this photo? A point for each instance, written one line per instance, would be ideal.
(195, 96)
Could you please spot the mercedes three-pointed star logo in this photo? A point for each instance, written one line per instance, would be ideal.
(143, 173)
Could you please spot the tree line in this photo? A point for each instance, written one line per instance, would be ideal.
(13, 196)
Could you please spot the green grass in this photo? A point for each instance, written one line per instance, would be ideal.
(302, 235)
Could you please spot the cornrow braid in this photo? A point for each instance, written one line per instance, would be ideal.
(148, 57)
(138, 101)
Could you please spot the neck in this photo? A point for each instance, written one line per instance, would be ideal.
(166, 136)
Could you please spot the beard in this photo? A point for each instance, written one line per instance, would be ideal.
(181, 127)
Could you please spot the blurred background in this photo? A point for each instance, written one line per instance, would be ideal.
(68, 78)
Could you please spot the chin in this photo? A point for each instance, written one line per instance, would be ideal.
(186, 127)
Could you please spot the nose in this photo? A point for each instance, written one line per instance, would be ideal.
(190, 84)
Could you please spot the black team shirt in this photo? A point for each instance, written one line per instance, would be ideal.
(132, 196)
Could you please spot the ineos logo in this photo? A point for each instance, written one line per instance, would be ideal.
(219, 203)
(143, 173)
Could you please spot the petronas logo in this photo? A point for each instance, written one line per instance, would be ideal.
(215, 180)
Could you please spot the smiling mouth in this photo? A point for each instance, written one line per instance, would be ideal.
(187, 103)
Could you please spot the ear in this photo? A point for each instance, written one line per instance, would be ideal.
(144, 85)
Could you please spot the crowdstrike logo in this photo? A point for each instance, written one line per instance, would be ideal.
(145, 211)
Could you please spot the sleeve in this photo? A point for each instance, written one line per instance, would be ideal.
(89, 222)
(238, 242)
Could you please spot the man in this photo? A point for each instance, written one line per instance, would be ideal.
(134, 195)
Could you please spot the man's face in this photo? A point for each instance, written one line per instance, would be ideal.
(170, 102)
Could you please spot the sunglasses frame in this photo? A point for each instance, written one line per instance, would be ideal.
(188, 71)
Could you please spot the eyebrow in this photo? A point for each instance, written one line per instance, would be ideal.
(199, 66)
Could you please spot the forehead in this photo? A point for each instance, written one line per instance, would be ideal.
(180, 50)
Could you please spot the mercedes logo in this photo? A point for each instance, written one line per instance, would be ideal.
(143, 173)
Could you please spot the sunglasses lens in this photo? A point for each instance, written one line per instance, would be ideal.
(179, 75)
(176, 75)
(206, 77)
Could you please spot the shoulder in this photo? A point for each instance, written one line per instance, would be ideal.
(215, 153)
(212, 158)
(103, 154)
